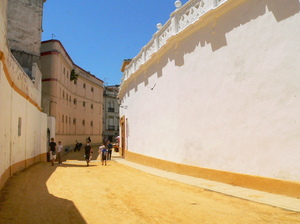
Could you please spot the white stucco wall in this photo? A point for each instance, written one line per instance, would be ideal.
(19, 98)
(5, 118)
(226, 96)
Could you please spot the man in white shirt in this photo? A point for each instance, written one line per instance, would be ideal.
(59, 153)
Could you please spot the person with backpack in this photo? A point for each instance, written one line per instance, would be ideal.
(103, 154)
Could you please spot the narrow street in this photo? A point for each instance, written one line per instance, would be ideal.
(118, 194)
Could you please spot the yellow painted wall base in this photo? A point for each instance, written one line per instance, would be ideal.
(4, 177)
(43, 157)
(18, 167)
(276, 186)
(21, 166)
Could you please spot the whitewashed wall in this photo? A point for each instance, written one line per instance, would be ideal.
(18, 100)
(226, 93)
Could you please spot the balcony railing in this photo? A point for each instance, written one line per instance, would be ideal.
(111, 127)
(179, 20)
(111, 109)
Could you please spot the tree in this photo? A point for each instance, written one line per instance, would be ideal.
(73, 75)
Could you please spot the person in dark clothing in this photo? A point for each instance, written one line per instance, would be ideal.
(109, 148)
(88, 153)
(52, 152)
(77, 146)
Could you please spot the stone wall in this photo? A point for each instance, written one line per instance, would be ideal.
(24, 31)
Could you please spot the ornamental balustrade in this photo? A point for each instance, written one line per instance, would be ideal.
(180, 19)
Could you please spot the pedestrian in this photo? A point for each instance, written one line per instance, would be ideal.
(59, 152)
(52, 151)
(109, 148)
(103, 154)
(88, 153)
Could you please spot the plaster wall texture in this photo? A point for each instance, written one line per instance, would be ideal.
(25, 25)
(31, 143)
(5, 117)
(20, 100)
(3, 27)
(225, 96)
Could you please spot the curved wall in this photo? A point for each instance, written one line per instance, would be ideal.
(223, 94)
(23, 125)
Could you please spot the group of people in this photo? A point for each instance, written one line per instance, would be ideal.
(55, 150)
(105, 152)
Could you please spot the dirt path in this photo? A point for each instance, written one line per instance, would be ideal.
(117, 194)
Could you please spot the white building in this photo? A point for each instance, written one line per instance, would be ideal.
(215, 94)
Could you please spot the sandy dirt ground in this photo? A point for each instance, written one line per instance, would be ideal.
(118, 194)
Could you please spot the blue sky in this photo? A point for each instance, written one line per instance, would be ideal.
(98, 35)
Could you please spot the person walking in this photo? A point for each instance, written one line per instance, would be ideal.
(88, 153)
(109, 148)
(59, 153)
(103, 154)
(52, 151)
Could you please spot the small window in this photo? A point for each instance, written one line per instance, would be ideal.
(83, 104)
(74, 121)
(92, 123)
(92, 89)
(92, 106)
(83, 122)
(75, 101)
(84, 85)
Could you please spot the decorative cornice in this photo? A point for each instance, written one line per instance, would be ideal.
(57, 52)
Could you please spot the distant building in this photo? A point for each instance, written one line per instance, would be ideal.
(71, 95)
(111, 113)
